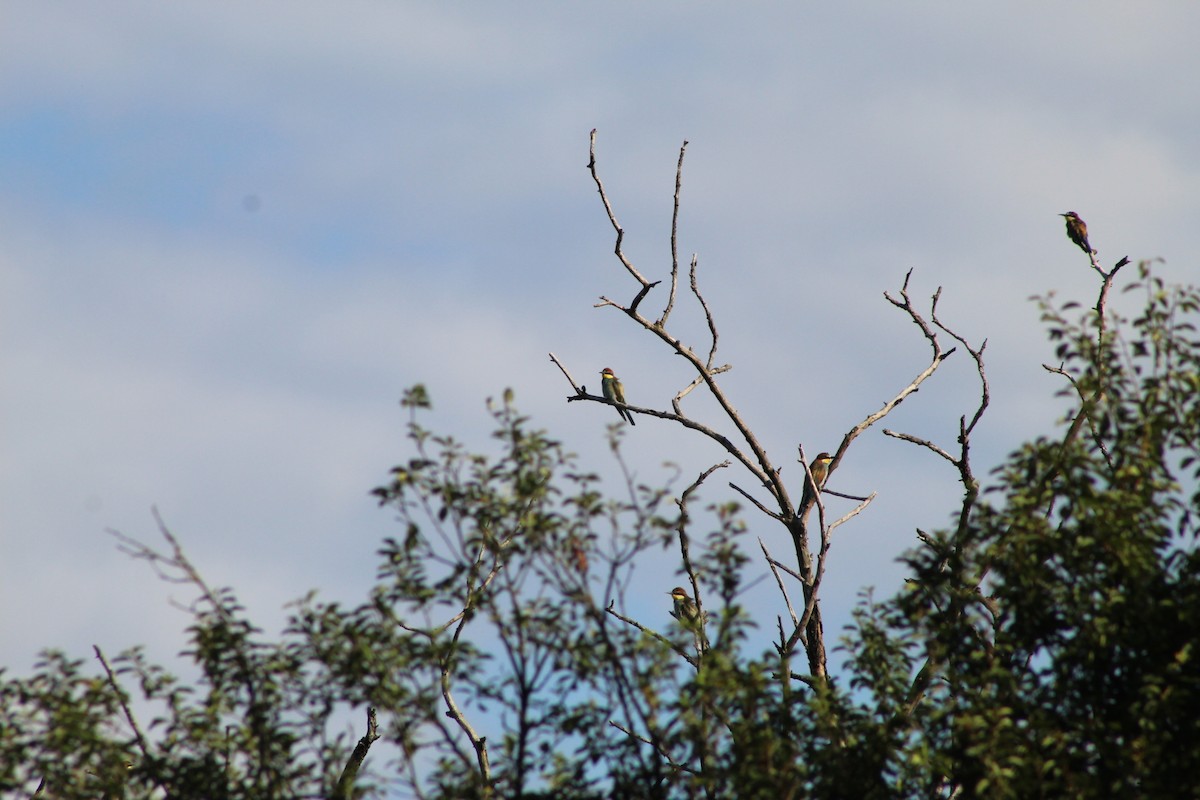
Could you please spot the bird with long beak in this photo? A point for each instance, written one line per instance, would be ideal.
(614, 392)
(686, 610)
(820, 473)
(688, 614)
(1077, 231)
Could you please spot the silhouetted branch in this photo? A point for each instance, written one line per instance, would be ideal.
(611, 609)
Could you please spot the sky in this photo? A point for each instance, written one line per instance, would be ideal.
(232, 234)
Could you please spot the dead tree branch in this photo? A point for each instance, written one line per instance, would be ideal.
(646, 285)
(742, 444)
(345, 785)
(674, 237)
(612, 609)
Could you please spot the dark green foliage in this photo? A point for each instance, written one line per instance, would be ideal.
(1072, 671)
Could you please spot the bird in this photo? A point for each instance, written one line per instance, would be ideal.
(1077, 231)
(688, 614)
(614, 392)
(820, 473)
(686, 610)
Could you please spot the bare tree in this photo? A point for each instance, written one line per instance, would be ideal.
(734, 434)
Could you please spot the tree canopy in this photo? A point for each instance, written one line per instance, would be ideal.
(1043, 644)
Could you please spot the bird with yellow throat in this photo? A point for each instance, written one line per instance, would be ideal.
(614, 392)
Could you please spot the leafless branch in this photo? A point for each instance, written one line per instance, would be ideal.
(917, 440)
(779, 581)
(616, 226)
(977, 356)
(858, 498)
(674, 232)
(962, 462)
(712, 326)
(611, 609)
(1106, 285)
(904, 304)
(578, 390)
(800, 532)
(744, 446)
(345, 785)
(852, 513)
(658, 748)
(687, 422)
(810, 600)
(772, 514)
(682, 529)
(759, 463)
(697, 381)
(795, 574)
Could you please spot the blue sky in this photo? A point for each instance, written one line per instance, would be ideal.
(231, 234)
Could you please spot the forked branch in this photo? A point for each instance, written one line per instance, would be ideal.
(744, 447)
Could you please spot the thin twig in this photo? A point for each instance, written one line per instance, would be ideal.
(682, 529)
(657, 747)
(578, 389)
(116, 687)
(772, 514)
(1086, 409)
(977, 355)
(917, 440)
(712, 325)
(779, 581)
(674, 231)
(760, 465)
(611, 609)
(612, 217)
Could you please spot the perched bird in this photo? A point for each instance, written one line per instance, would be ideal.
(1077, 230)
(820, 472)
(688, 614)
(686, 610)
(615, 393)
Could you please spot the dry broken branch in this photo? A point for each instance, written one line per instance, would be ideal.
(743, 445)
(345, 785)
(674, 240)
